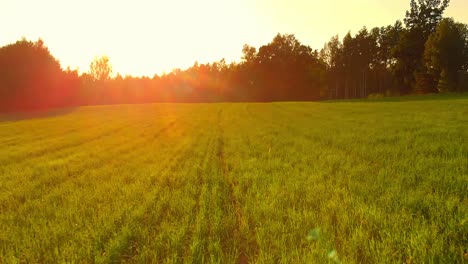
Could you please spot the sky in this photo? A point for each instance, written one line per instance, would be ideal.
(143, 38)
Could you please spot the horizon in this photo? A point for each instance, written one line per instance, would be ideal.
(315, 145)
(157, 38)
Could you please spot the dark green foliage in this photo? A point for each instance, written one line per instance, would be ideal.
(391, 60)
(424, 56)
(286, 70)
(31, 78)
(445, 54)
(361, 65)
(424, 15)
(421, 20)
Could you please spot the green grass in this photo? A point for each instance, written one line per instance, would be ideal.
(355, 182)
(410, 97)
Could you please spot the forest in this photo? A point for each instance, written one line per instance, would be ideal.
(424, 53)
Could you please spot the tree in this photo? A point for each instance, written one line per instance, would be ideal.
(248, 53)
(100, 68)
(425, 15)
(30, 77)
(445, 54)
(331, 55)
(421, 20)
(287, 70)
(380, 58)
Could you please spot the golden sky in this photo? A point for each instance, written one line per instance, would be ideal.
(143, 37)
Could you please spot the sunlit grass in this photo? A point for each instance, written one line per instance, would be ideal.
(349, 182)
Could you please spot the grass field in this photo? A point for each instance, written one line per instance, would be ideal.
(350, 182)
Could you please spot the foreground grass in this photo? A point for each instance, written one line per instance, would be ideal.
(234, 183)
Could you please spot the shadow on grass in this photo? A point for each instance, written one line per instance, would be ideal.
(18, 116)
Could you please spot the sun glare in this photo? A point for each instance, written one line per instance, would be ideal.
(148, 37)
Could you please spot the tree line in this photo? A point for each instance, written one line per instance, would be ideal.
(425, 53)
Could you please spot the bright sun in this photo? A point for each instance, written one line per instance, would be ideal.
(144, 37)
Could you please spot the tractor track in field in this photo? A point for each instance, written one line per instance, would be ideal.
(246, 244)
(125, 150)
(41, 152)
(375, 165)
(130, 251)
(200, 181)
(44, 135)
(86, 141)
(92, 141)
(41, 142)
(170, 163)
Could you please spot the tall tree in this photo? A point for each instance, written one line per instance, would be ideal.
(331, 55)
(30, 76)
(100, 68)
(248, 53)
(285, 69)
(349, 64)
(421, 20)
(425, 15)
(445, 54)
